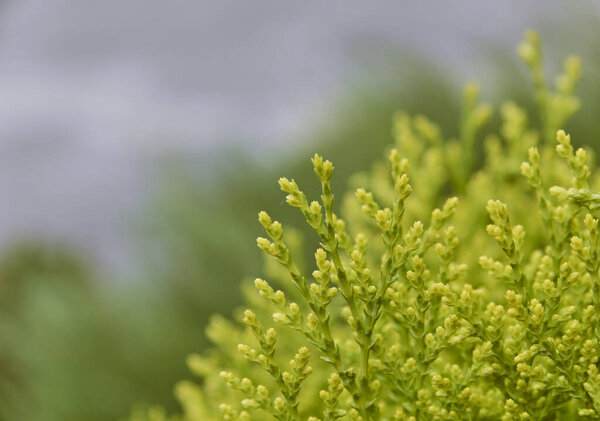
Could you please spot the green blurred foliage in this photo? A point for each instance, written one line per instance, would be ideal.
(71, 350)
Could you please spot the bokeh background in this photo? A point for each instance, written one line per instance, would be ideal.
(139, 139)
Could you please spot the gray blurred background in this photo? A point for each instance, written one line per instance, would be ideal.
(138, 139)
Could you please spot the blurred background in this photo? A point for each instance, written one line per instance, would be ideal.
(139, 139)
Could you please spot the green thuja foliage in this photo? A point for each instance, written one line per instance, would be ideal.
(443, 287)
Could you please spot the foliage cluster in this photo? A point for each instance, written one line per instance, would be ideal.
(482, 306)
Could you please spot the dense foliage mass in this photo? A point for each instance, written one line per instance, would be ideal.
(448, 291)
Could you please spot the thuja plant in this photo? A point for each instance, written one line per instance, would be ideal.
(443, 287)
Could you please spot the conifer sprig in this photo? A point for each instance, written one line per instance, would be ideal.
(450, 290)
